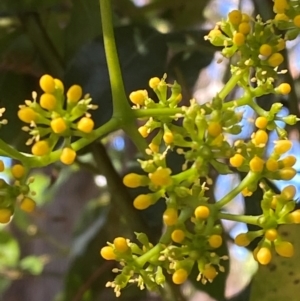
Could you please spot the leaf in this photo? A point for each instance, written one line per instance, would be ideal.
(83, 27)
(33, 264)
(280, 280)
(11, 97)
(9, 250)
(191, 53)
(17, 53)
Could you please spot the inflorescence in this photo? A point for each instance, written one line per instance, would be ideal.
(199, 134)
(193, 236)
(57, 118)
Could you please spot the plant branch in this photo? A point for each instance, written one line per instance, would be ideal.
(141, 113)
(121, 107)
(230, 85)
(249, 179)
(253, 220)
(112, 125)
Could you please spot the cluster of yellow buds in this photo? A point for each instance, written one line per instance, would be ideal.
(198, 133)
(287, 17)
(15, 193)
(55, 116)
(163, 126)
(149, 270)
(201, 141)
(252, 41)
(277, 209)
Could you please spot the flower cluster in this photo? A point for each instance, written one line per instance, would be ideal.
(193, 232)
(251, 43)
(54, 117)
(277, 209)
(198, 133)
(15, 193)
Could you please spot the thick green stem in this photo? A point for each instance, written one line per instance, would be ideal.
(7, 150)
(237, 102)
(253, 220)
(121, 108)
(249, 179)
(230, 85)
(140, 113)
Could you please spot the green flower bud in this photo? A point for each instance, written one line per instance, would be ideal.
(276, 107)
(292, 34)
(142, 238)
(159, 276)
(290, 119)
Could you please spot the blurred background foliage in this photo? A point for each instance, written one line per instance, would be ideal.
(53, 254)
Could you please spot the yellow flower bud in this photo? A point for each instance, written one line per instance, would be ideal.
(154, 82)
(256, 164)
(282, 146)
(47, 83)
(170, 216)
(68, 156)
(74, 93)
(202, 212)
(5, 215)
(161, 177)
(178, 235)
(235, 17)
(108, 253)
(27, 204)
(120, 244)
(284, 248)
(180, 276)
(27, 115)
(264, 256)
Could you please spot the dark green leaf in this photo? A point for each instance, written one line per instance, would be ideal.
(142, 54)
(83, 26)
(11, 98)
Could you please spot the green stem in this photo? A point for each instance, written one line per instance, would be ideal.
(229, 86)
(260, 111)
(249, 179)
(121, 107)
(147, 256)
(237, 102)
(184, 175)
(253, 220)
(140, 113)
(136, 138)
(7, 150)
(112, 125)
